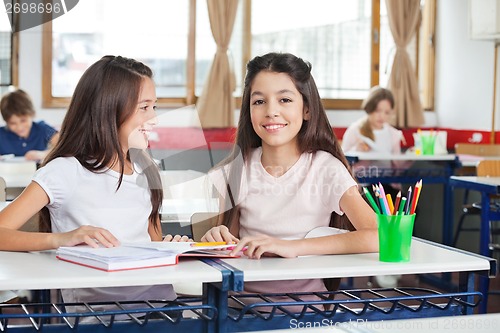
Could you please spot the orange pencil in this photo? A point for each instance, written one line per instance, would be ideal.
(396, 204)
(390, 204)
(415, 197)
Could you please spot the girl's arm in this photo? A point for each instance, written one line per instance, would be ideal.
(364, 239)
(25, 206)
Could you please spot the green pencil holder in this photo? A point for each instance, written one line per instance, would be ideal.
(394, 235)
(428, 142)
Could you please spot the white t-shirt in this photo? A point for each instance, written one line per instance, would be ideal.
(289, 206)
(80, 197)
(387, 139)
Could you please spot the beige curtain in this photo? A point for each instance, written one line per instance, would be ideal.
(216, 103)
(404, 20)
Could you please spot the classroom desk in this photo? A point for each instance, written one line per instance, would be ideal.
(17, 172)
(486, 186)
(473, 160)
(41, 270)
(426, 257)
(447, 162)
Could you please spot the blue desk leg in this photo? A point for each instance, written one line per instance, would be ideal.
(447, 214)
(484, 282)
(466, 283)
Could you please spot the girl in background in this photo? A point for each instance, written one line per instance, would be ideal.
(373, 133)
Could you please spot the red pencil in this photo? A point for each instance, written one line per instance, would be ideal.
(396, 204)
(415, 197)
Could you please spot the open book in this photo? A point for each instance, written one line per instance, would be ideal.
(139, 255)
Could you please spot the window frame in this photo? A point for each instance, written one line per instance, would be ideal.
(49, 101)
(14, 56)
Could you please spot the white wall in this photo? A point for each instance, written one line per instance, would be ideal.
(464, 71)
(464, 75)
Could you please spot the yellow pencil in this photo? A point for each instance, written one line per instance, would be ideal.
(209, 243)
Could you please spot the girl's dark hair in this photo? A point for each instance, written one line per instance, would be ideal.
(370, 103)
(17, 103)
(104, 98)
(315, 134)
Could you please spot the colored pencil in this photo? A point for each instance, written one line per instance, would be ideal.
(390, 204)
(402, 206)
(408, 200)
(415, 198)
(396, 204)
(384, 199)
(382, 206)
(371, 200)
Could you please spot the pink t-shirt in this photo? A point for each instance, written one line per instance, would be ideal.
(290, 206)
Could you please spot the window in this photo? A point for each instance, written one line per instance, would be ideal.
(8, 55)
(349, 45)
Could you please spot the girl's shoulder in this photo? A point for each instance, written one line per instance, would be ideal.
(64, 165)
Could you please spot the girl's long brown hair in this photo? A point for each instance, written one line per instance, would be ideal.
(104, 98)
(315, 134)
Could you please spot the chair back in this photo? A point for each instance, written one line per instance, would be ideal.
(3, 192)
(478, 149)
(488, 168)
(201, 223)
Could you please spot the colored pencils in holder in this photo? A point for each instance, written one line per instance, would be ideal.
(383, 204)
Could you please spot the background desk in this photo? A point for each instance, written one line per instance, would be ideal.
(439, 172)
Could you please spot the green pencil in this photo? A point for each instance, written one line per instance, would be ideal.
(371, 201)
(401, 206)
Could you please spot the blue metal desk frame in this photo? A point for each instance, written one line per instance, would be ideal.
(471, 183)
(279, 321)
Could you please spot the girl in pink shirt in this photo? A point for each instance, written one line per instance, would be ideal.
(287, 174)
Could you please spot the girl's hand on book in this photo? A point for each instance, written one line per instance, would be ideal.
(177, 238)
(219, 234)
(92, 236)
(264, 246)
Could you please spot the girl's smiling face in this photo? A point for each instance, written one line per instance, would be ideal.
(276, 109)
(134, 132)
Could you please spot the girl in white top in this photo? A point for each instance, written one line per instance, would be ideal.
(98, 185)
(288, 175)
(373, 133)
